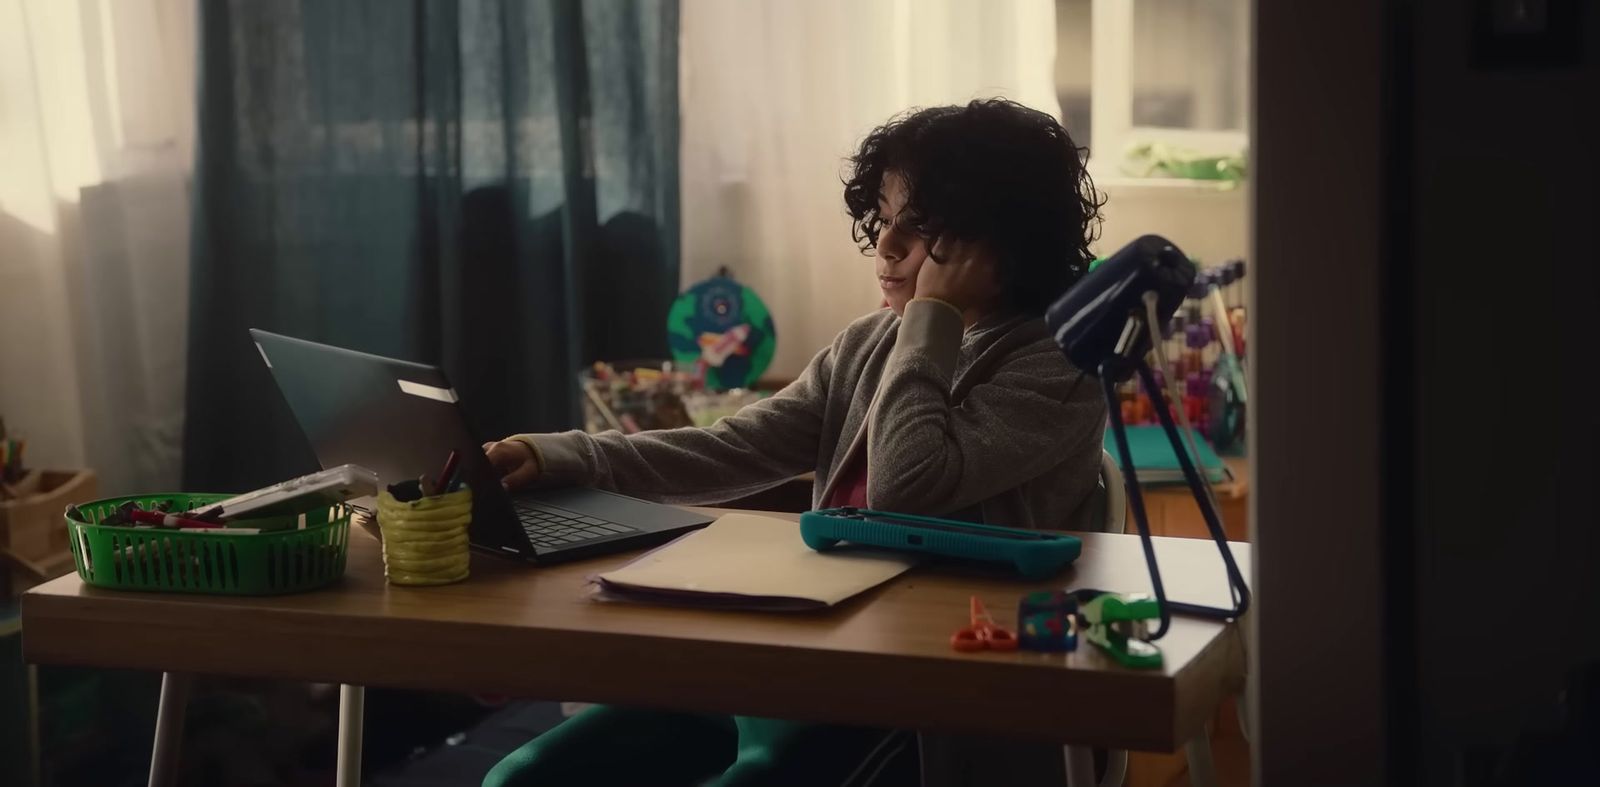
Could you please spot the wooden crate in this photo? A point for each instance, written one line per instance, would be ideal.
(18, 575)
(32, 531)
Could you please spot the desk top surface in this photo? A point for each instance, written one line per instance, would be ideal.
(881, 658)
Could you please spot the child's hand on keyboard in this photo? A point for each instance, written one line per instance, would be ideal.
(515, 460)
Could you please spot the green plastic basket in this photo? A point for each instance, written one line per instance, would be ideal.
(289, 559)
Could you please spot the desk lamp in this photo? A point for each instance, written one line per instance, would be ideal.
(1105, 325)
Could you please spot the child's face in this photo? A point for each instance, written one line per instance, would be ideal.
(901, 251)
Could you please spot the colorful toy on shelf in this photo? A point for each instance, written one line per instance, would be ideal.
(1204, 353)
(638, 396)
(633, 397)
(723, 329)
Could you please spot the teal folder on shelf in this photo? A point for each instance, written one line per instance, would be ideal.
(1155, 462)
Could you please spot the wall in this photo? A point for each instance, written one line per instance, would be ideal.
(776, 95)
(1209, 223)
(1317, 661)
(1424, 614)
(1505, 176)
(763, 142)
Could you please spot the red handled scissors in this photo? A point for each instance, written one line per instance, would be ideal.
(982, 633)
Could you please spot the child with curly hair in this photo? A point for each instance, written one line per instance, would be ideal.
(952, 401)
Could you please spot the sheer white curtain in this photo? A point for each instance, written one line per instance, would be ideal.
(96, 140)
(776, 94)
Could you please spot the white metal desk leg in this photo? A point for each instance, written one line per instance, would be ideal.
(1080, 766)
(169, 729)
(352, 702)
(1116, 768)
(1198, 750)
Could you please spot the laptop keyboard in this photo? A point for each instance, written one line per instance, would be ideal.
(550, 527)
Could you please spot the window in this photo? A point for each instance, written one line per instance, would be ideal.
(1170, 72)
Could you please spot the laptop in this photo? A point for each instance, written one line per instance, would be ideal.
(403, 419)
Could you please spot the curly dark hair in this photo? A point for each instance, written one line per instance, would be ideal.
(993, 171)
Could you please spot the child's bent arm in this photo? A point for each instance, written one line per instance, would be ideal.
(762, 445)
(927, 456)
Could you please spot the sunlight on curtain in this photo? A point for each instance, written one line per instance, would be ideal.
(96, 119)
(47, 149)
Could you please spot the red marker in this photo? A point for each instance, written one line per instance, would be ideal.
(448, 473)
(162, 519)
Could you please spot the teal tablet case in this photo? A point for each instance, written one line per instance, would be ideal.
(1155, 460)
(1036, 554)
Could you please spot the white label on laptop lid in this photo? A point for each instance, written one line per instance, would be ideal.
(447, 395)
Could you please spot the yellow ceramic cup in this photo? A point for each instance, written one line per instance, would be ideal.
(425, 541)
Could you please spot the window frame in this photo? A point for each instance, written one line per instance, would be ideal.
(1111, 98)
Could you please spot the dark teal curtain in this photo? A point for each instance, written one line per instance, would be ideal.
(488, 185)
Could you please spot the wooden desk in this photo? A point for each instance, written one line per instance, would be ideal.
(881, 659)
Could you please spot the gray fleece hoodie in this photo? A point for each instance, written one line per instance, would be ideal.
(989, 423)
